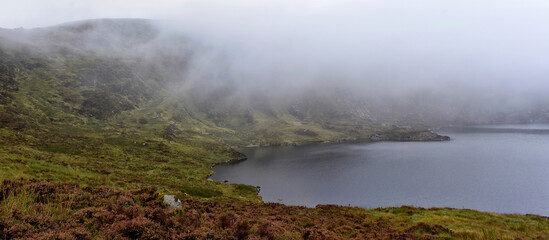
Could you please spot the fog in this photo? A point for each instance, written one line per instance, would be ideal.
(502, 44)
(484, 59)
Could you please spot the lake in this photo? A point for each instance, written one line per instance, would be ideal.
(496, 168)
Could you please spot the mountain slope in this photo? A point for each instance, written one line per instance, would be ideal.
(78, 106)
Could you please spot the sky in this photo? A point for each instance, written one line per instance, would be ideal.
(500, 46)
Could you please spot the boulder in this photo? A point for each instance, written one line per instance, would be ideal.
(172, 201)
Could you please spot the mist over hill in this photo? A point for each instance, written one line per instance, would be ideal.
(129, 103)
(126, 61)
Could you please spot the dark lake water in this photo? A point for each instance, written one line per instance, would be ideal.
(498, 171)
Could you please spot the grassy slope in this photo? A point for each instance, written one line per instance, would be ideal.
(41, 139)
(48, 132)
(93, 120)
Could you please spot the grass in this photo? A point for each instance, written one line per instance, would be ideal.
(469, 224)
(28, 201)
(115, 162)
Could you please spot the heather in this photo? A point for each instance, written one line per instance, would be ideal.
(33, 209)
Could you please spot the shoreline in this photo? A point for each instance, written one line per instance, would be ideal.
(426, 136)
(439, 138)
(513, 209)
(433, 137)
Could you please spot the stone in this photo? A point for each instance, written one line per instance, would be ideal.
(172, 201)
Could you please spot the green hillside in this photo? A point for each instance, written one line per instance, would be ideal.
(77, 107)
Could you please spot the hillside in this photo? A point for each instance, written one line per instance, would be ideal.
(77, 106)
(118, 104)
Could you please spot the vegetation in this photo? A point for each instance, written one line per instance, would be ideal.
(44, 210)
(90, 126)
